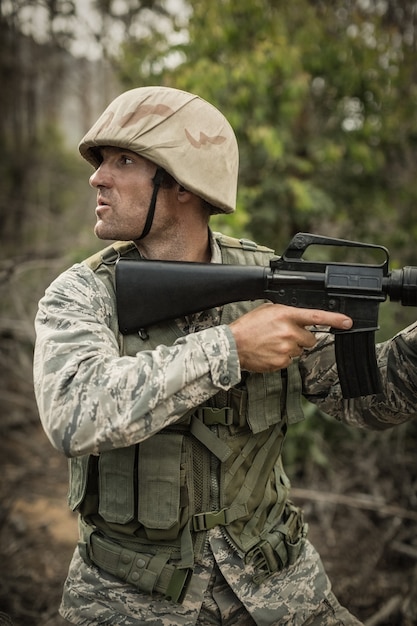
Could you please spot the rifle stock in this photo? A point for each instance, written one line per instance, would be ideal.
(150, 292)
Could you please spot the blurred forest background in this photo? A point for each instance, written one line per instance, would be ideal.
(323, 99)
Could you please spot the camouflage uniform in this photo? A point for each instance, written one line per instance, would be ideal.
(162, 385)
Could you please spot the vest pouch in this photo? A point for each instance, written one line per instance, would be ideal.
(281, 547)
(159, 485)
(78, 478)
(116, 492)
(264, 395)
(272, 399)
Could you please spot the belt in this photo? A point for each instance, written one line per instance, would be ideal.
(146, 572)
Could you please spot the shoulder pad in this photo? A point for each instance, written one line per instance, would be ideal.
(109, 255)
(245, 244)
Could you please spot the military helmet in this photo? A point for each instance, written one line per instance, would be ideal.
(178, 131)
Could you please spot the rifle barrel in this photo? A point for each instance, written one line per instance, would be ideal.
(401, 286)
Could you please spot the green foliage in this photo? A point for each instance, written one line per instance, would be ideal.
(322, 97)
(313, 442)
(45, 197)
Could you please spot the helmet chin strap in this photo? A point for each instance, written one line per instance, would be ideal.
(157, 180)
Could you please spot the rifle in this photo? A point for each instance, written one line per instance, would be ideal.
(149, 292)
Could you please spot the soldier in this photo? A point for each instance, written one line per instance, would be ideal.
(175, 434)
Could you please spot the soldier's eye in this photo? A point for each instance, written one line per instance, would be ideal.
(126, 160)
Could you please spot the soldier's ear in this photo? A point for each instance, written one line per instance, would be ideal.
(183, 194)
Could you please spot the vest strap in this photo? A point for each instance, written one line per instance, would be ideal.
(205, 436)
(210, 519)
(148, 573)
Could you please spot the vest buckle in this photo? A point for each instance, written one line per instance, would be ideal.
(210, 519)
(211, 416)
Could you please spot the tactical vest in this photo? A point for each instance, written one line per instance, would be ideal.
(145, 510)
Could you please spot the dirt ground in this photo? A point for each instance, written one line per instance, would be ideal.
(368, 539)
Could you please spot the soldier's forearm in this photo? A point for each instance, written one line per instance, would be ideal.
(397, 362)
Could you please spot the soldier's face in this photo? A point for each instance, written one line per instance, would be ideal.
(123, 181)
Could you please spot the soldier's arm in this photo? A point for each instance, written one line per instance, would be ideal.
(91, 399)
(397, 362)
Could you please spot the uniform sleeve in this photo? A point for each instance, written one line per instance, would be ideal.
(397, 363)
(92, 399)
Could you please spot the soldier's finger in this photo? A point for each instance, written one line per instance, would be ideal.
(316, 317)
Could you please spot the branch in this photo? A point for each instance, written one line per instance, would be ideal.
(385, 611)
(361, 501)
(403, 548)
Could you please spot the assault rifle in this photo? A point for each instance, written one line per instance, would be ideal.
(150, 292)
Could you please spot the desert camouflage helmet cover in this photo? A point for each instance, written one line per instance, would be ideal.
(177, 130)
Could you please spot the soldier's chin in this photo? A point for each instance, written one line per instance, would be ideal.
(103, 232)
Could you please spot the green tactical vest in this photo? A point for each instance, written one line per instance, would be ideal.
(157, 497)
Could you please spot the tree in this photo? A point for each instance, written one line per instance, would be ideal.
(36, 41)
(321, 97)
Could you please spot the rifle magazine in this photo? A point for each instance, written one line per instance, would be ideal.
(356, 363)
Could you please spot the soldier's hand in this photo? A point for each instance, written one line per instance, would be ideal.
(271, 335)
